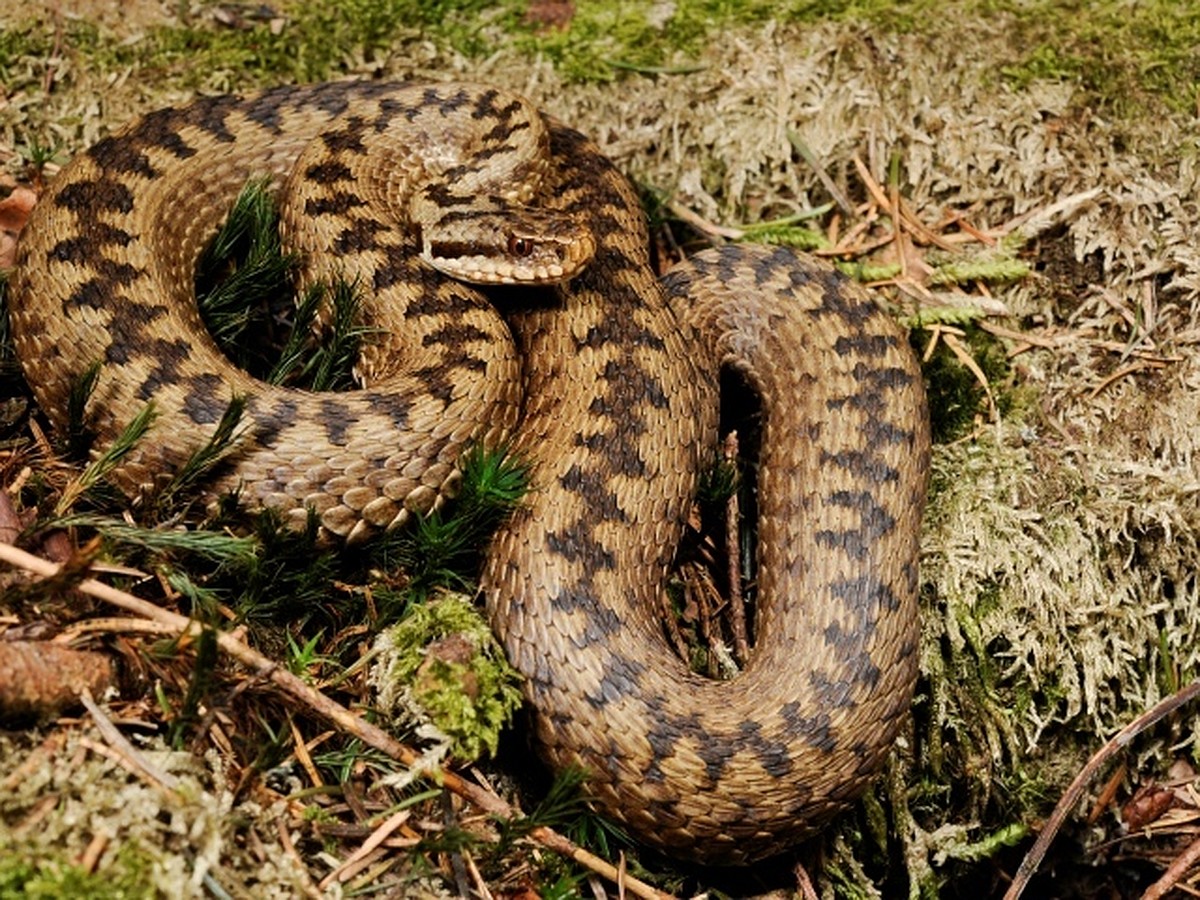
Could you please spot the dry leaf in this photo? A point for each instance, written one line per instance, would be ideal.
(1146, 806)
(550, 15)
(15, 209)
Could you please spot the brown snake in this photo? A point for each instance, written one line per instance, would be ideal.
(612, 375)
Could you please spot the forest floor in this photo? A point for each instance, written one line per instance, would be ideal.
(1020, 183)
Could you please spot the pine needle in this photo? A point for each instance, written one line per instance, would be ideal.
(444, 550)
(202, 461)
(992, 271)
(787, 233)
(330, 366)
(100, 467)
(291, 362)
(79, 439)
(213, 545)
(243, 274)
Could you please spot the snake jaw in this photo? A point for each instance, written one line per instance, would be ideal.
(543, 247)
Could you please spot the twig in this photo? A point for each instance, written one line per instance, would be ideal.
(805, 883)
(55, 53)
(1032, 223)
(1183, 862)
(480, 885)
(703, 225)
(303, 756)
(733, 516)
(701, 589)
(667, 616)
(919, 228)
(289, 847)
(1107, 794)
(1116, 376)
(1071, 796)
(42, 755)
(90, 858)
(335, 713)
(120, 744)
(457, 865)
(829, 184)
(350, 866)
(875, 190)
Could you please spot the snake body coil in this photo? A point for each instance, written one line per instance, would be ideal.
(603, 371)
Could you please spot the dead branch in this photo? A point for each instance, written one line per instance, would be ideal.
(337, 714)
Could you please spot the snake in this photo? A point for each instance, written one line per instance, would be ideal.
(603, 376)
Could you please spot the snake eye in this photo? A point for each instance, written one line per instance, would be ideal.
(519, 246)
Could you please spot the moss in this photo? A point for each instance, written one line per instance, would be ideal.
(956, 397)
(49, 877)
(604, 38)
(18, 43)
(1120, 54)
(443, 660)
(313, 43)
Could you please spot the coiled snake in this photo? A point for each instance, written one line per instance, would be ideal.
(612, 376)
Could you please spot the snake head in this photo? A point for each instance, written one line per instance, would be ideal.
(517, 246)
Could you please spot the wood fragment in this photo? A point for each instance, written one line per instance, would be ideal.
(1175, 872)
(804, 882)
(136, 761)
(1107, 794)
(1033, 859)
(41, 679)
(356, 860)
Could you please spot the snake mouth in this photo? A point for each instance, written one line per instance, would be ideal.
(475, 264)
(520, 246)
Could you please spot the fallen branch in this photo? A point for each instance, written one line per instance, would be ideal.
(1175, 872)
(335, 713)
(1071, 796)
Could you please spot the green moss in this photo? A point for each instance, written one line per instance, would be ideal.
(36, 876)
(443, 656)
(18, 44)
(444, 549)
(956, 397)
(1120, 54)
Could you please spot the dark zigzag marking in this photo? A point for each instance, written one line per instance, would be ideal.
(857, 542)
(80, 250)
(101, 195)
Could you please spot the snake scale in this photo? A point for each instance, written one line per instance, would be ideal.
(605, 377)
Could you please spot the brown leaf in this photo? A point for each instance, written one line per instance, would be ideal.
(15, 209)
(550, 15)
(8, 250)
(1146, 806)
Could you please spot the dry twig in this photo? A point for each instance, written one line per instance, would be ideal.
(733, 517)
(335, 713)
(1177, 870)
(1071, 796)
